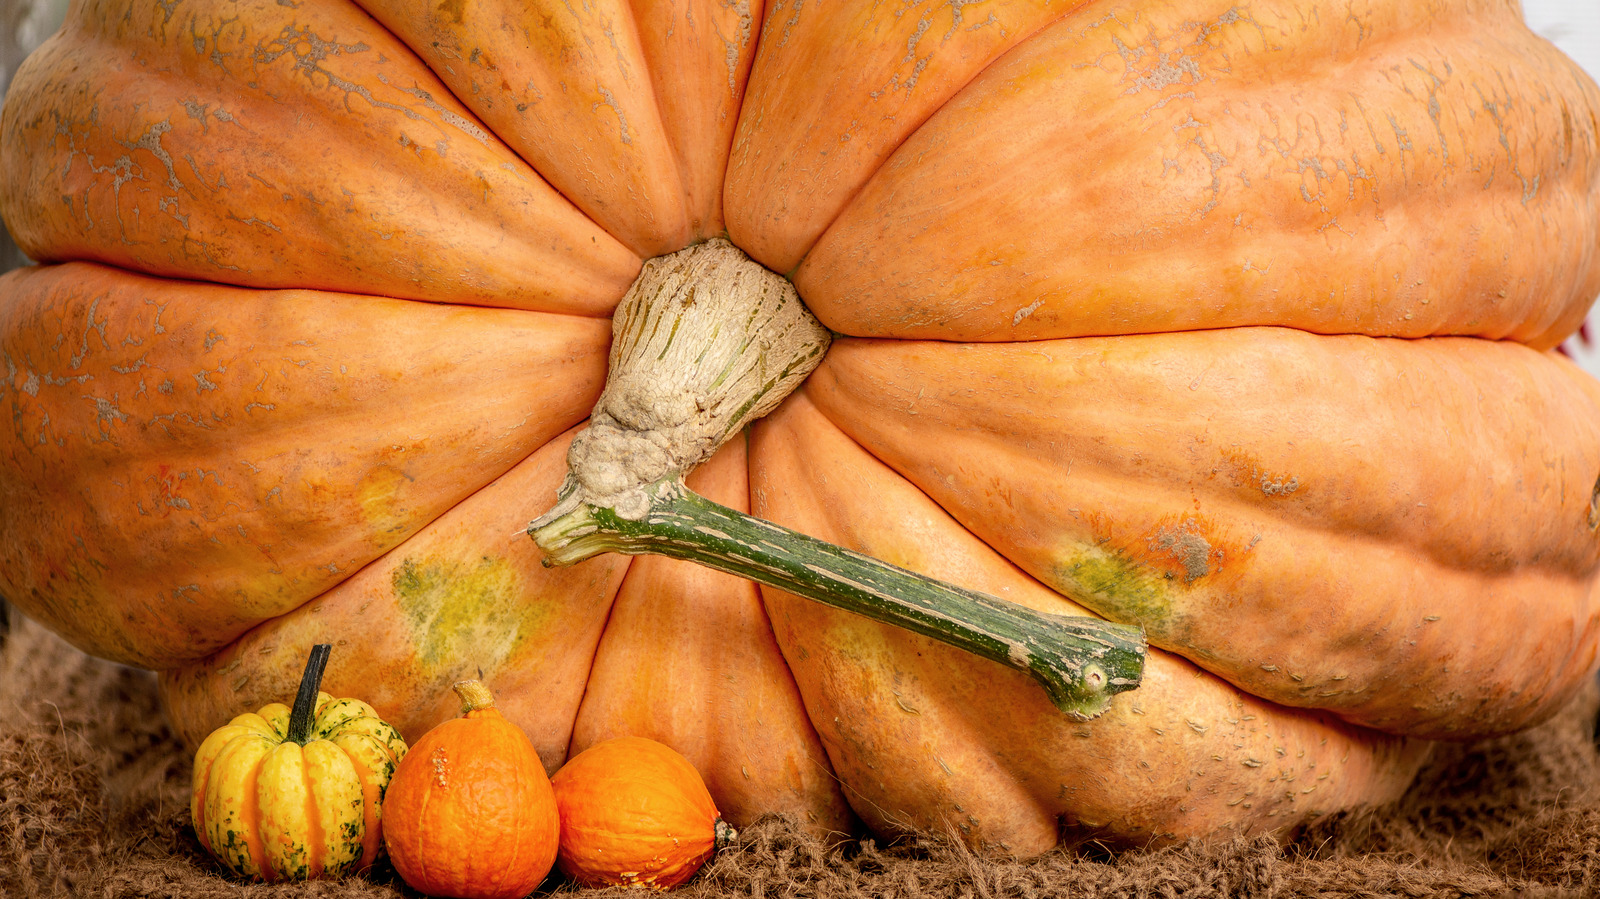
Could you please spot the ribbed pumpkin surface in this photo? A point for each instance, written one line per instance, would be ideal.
(1234, 323)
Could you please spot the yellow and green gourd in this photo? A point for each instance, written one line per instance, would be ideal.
(296, 794)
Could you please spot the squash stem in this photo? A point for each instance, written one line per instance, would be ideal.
(474, 695)
(1079, 661)
(723, 835)
(305, 701)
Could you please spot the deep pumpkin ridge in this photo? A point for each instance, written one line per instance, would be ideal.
(926, 227)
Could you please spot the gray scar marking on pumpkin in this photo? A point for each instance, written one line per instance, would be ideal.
(151, 141)
(458, 121)
(1188, 546)
(288, 42)
(622, 117)
(731, 48)
(1024, 312)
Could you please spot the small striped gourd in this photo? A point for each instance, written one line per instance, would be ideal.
(296, 794)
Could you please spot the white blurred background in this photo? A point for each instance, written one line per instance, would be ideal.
(1573, 25)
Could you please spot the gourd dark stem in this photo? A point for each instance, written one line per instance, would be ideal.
(305, 701)
(1079, 661)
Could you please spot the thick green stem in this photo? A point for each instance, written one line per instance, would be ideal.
(305, 700)
(705, 342)
(1080, 661)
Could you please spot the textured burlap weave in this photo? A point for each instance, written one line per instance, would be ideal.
(93, 803)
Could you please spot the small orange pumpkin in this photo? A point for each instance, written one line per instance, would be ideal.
(471, 811)
(635, 812)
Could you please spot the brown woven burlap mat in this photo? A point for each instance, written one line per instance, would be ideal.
(93, 803)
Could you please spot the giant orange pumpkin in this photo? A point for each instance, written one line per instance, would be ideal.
(1233, 324)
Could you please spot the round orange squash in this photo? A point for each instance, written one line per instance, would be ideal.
(1233, 326)
(634, 812)
(472, 814)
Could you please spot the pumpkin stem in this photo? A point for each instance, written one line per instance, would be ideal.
(474, 695)
(1081, 662)
(725, 834)
(704, 342)
(305, 700)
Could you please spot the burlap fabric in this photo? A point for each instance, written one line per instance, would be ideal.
(93, 803)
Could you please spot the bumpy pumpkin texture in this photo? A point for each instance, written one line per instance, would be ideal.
(472, 815)
(1234, 324)
(634, 813)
